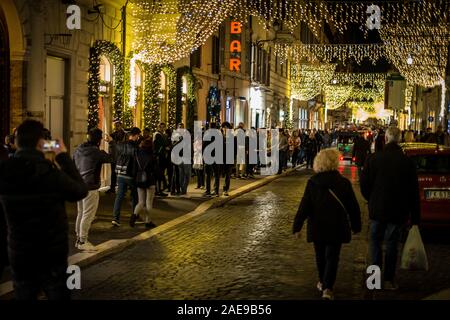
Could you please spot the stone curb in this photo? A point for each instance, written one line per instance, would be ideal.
(107, 248)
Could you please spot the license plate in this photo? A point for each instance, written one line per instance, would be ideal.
(437, 194)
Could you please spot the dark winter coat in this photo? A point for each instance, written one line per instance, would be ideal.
(126, 157)
(33, 192)
(328, 222)
(118, 137)
(389, 182)
(145, 161)
(89, 160)
(3, 233)
(361, 149)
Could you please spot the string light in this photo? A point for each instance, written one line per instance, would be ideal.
(308, 80)
(170, 30)
(337, 95)
(111, 51)
(428, 44)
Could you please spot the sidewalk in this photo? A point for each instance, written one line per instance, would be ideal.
(167, 213)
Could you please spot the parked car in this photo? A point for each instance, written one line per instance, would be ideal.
(433, 170)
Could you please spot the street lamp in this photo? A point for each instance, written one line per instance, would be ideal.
(409, 60)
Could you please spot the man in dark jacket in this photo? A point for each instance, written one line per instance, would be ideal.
(89, 160)
(3, 243)
(118, 136)
(161, 145)
(389, 182)
(361, 149)
(33, 192)
(126, 156)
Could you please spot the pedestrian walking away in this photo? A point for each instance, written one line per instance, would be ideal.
(330, 206)
(389, 182)
(145, 177)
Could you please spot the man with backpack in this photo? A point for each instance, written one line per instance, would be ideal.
(126, 155)
(89, 160)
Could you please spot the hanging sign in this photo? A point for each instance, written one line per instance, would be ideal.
(235, 46)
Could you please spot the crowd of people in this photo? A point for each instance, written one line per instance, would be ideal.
(33, 190)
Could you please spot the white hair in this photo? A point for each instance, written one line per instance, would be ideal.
(393, 134)
(326, 160)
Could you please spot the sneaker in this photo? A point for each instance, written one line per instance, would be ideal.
(133, 219)
(77, 242)
(86, 246)
(390, 285)
(327, 295)
(225, 193)
(207, 194)
(319, 286)
(162, 194)
(115, 223)
(150, 225)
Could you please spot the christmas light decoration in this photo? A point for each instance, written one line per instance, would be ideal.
(113, 53)
(428, 45)
(191, 100)
(308, 80)
(337, 95)
(169, 30)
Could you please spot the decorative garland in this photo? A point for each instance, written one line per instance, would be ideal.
(191, 96)
(152, 107)
(171, 75)
(151, 99)
(110, 50)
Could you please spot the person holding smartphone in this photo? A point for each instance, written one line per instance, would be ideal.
(33, 192)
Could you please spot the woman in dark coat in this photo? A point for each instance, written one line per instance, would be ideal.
(145, 176)
(330, 206)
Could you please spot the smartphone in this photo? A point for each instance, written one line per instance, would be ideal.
(50, 145)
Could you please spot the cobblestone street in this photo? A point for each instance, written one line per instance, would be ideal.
(244, 250)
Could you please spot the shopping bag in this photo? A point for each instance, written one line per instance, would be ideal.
(414, 256)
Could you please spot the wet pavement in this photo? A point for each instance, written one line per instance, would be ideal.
(243, 250)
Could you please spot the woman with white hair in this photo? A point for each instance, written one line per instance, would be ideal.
(330, 206)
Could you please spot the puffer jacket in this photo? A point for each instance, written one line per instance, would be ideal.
(328, 222)
(89, 160)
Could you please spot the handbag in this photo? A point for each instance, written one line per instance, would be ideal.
(346, 222)
(141, 177)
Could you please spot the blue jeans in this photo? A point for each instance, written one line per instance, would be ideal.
(388, 233)
(185, 177)
(124, 185)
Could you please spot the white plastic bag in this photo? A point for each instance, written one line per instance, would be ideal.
(414, 256)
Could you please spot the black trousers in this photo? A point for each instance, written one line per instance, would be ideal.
(212, 170)
(52, 280)
(327, 260)
(175, 186)
(226, 172)
(200, 178)
(113, 176)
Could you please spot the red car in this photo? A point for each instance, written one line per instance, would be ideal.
(433, 170)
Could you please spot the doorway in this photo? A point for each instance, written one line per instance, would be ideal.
(55, 106)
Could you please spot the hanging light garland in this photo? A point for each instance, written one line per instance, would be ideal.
(328, 53)
(337, 95)
(308, 80)
(419, 52)
(168, 30)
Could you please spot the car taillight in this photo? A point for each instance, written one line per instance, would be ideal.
(353, 159)
(341, 158)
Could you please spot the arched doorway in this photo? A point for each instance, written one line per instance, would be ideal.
(139, 101)
(163, 115)
(4, 78)
(184, 100)
(105, 111)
